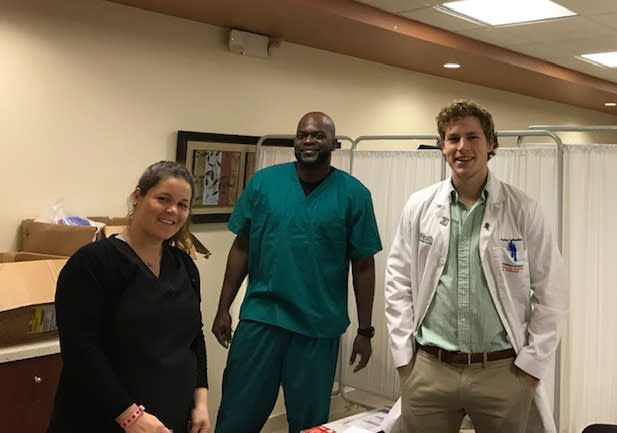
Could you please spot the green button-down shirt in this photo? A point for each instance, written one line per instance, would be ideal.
(462, 316)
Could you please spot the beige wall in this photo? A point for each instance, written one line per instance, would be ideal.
(92, 92)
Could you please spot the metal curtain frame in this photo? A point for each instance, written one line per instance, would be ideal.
(354, 148)
(554, 129)
(357, 141)
(575, 128)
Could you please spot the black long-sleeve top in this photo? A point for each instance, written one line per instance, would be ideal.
(127, 337)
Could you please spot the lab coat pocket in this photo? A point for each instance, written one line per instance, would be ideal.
(512, 276)
(425, 246)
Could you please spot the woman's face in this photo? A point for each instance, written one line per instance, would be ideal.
(163, 210)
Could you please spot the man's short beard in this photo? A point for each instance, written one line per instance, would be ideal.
(323, 157)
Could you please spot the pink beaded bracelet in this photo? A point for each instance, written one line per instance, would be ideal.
(127, 422)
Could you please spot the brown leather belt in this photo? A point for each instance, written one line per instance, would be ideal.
(466, 358)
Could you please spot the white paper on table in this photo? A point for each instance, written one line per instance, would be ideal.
(390, 423)
(354, 429)
(367, 421)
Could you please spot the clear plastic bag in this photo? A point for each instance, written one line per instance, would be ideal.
(60, 213)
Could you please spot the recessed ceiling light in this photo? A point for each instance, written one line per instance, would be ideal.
(605, 59)
(451, 65)
(610, 104)
(501, 12)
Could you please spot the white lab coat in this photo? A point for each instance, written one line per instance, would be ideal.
(530, 294)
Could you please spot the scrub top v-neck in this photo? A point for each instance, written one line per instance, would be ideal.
(300, 246)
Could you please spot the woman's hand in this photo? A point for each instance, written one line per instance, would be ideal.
(200, 421)
(144, 423)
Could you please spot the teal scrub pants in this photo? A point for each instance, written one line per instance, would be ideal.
(263, 357)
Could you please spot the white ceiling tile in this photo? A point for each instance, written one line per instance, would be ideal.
(574, 63)
(586, 68)
(609, 20)
(571, 48)
(594, 45)
(440, 19)
(609, 75)
(588, 7)
(396, 6)
(559, 30)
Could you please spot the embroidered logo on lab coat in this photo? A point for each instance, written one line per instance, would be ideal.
(511, 245)
(511, 267)
(426, 239)
(513, 252)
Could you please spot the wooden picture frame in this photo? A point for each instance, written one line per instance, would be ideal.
(222, 165)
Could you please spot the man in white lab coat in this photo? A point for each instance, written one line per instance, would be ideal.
(475, 293)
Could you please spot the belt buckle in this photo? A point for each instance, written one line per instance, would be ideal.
(469, 359)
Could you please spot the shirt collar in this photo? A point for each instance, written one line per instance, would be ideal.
(454, 194)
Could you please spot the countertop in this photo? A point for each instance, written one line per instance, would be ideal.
(29, 350)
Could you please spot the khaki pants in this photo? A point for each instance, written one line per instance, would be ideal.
(436, 396)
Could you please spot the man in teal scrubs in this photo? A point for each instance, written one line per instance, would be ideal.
(298, 227)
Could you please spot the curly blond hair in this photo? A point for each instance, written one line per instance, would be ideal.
(460, 108)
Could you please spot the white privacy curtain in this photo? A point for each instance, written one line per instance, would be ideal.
(533, 170)
(391, 176)
(589, 355)
(270, 155)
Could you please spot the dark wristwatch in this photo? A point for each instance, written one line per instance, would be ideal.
(367, 332)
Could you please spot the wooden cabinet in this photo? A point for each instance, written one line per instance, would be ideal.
(27, 391)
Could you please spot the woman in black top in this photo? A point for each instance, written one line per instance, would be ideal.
(128, 315)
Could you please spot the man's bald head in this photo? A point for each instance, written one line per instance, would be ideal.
(315, 139)
(322, 117)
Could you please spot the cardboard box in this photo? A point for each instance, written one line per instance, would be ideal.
(64, 240)
(109, 231)
(21, 256)
(111, 221)
(56, 239)
(27, 289)
(113, 225)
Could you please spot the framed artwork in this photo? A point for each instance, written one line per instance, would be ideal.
(222, 165)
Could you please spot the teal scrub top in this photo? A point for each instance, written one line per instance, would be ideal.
(300, 247)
